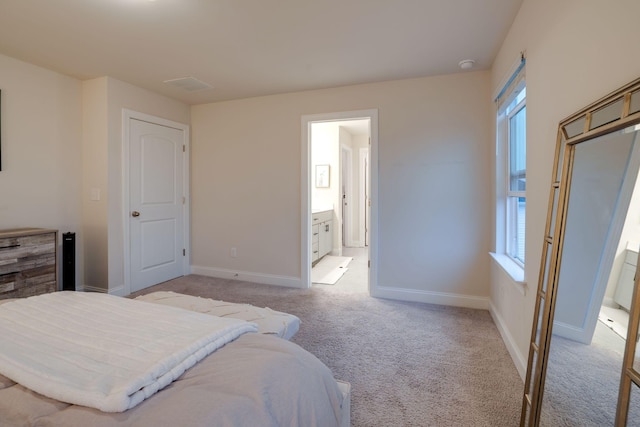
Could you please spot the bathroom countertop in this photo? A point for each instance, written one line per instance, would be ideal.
(320, 209)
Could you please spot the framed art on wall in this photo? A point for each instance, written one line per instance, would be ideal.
(322, 176)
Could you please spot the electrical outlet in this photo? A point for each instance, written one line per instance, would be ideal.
(234, 252)
(94, 195)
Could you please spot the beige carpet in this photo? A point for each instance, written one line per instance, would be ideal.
(581, 388)
(329, 269)
(409, 364)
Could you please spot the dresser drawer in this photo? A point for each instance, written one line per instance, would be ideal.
(29, 291)
(315, 231)
(28, 262)
(8, 281)
(14, 248)
(27, 252)
(19, 282)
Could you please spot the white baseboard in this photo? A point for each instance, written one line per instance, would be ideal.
(518, 358)
(440, 298)
(266, 279)
(118, 291)
(89, 288)
(571, 332)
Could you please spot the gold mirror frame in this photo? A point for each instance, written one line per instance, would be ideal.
(615, 111)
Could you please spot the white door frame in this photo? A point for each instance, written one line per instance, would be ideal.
(305, 190)
(126, 250)
(363, 157)
(346, 188)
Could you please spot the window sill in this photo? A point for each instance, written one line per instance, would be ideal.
(513, 270)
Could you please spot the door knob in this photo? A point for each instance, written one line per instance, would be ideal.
(135, 214)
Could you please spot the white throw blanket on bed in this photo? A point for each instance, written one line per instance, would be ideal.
(104, 351)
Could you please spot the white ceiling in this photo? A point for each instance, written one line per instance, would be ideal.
(246, 48)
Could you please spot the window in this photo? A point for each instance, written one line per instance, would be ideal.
(516, 168)
(511, 173)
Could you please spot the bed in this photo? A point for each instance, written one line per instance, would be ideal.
(283, 325)
(253, 379)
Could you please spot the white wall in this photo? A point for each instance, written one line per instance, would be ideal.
(325, 141)
(630, 239)
(577, 51)
(325, 150)
(105, 100)
(95, 168)
(434, 181)
(41, 147)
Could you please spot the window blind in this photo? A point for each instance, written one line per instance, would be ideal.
(512, 83)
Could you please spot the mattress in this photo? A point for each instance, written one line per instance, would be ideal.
(269, 321)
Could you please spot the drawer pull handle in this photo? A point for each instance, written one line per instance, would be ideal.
(9, 274)
(10, 246)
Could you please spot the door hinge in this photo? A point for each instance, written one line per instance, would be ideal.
(369, 264)
(184, 252)
(184, 148)
(184, 200)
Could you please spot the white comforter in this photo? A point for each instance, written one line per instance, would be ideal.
(104, 351)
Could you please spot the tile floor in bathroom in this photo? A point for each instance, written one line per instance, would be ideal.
(356, 279)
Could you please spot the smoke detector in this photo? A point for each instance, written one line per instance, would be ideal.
(466, 64)
(190, 84)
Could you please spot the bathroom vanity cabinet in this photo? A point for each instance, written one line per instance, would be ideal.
(321, 234)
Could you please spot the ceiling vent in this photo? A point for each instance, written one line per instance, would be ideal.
(190, 84)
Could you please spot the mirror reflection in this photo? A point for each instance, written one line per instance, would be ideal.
(596, 278)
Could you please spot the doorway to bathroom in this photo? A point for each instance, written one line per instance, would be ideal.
(339, 209)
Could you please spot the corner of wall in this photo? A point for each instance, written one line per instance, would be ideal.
(519, 360)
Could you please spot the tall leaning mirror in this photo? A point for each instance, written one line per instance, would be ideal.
(582, 368)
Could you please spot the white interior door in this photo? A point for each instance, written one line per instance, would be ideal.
(156, 199)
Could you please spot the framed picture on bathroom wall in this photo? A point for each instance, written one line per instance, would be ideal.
(322, 176)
